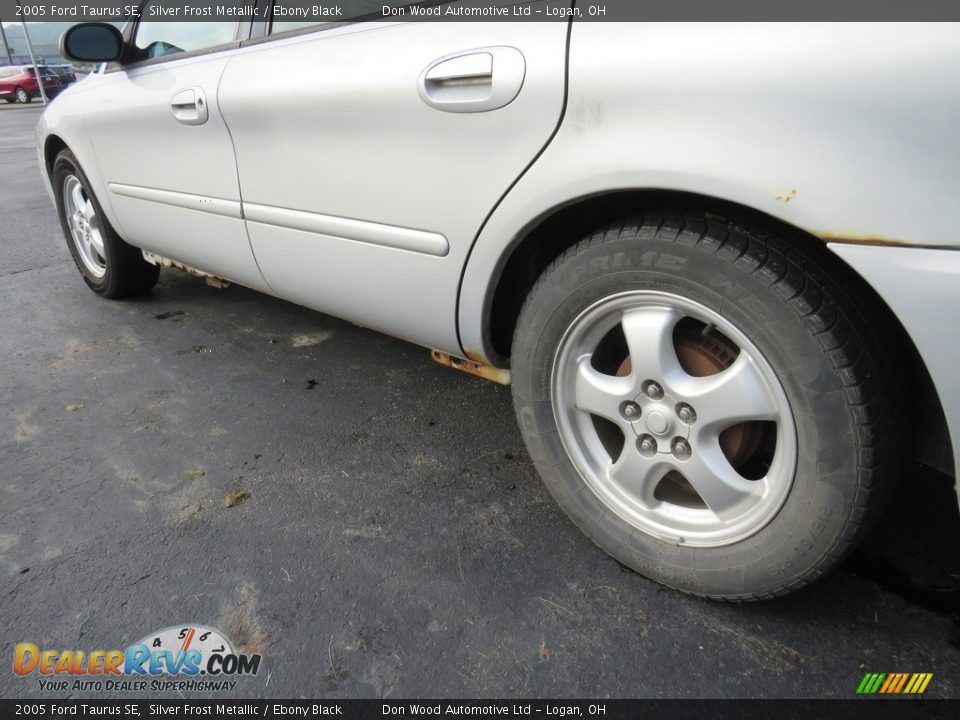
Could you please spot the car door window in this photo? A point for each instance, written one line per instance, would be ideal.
(159, 39)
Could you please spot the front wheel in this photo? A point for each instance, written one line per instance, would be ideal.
(109, 266)
(22, 95)
(704, 404)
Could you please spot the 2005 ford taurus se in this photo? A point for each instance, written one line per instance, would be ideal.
(717, 265)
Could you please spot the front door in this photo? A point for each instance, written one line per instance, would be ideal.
(164, 152)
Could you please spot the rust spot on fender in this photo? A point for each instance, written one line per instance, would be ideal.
(856, 239)
(471, 367)
(787, 196)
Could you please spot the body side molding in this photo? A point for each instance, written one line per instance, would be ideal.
(215, 206)
(399, 238)
(391, 236)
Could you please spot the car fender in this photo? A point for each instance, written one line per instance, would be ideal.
(808, 123)
(64, 119)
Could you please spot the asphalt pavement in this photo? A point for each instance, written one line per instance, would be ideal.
(366, 520)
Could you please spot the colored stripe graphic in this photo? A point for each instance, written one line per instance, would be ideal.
(913, 682)
(901, 682)
(891, 679)
(894, 683)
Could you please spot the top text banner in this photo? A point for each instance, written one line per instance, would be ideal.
(307, 11)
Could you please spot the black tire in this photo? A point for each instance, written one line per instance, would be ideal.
(820, 339)
(127, 273)
(22, 96)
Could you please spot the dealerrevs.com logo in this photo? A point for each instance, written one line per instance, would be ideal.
(184, 658)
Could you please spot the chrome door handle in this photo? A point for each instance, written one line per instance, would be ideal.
(189, 106)
(473, 81)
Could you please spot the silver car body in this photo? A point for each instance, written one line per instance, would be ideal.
(323, 175)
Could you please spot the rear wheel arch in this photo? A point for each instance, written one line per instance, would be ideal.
(548, 236)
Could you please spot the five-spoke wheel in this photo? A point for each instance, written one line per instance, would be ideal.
(674, 418)
(708, 403)
(84, 226)
(110, 266)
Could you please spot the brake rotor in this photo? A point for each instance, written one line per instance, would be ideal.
(703, 352)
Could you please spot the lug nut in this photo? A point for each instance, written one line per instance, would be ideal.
(647, 446)
(686, 414)
(681, 448)
(630, 410)
(653, 390)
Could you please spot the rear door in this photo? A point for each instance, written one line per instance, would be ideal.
(369, 155)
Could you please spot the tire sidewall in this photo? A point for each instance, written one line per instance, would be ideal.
(814, 516)
(64, 166)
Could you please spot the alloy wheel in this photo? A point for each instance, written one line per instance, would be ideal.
(85, 229)
(674, 418)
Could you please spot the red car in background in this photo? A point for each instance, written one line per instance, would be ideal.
(18, 83)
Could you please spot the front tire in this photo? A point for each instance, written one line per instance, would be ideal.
(109, 266)
(22, 95)
(705, 403)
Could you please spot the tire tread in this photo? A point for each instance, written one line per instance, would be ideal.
(832, 313)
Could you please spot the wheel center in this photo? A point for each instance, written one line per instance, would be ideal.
(657, 422)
